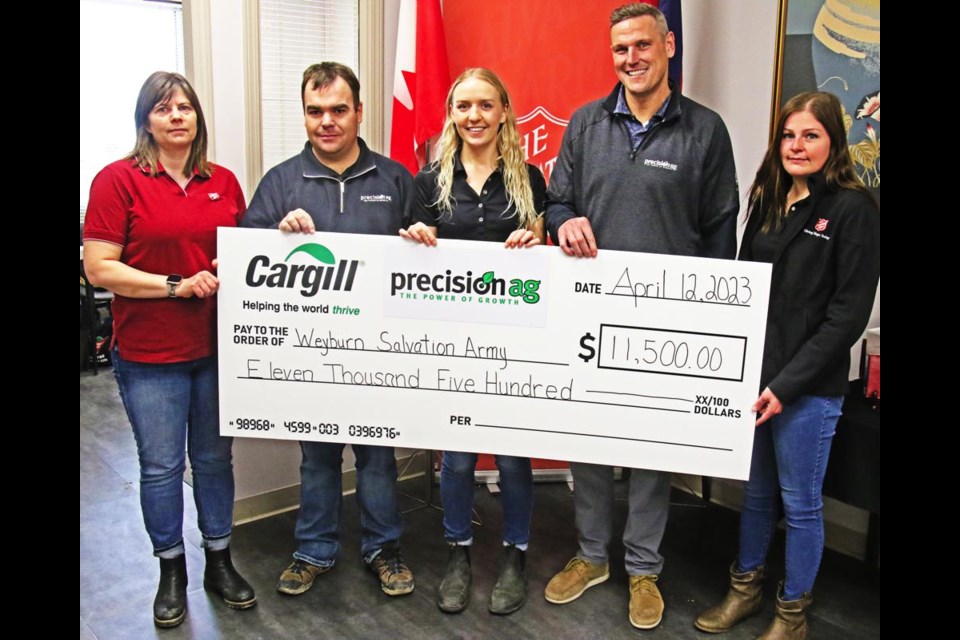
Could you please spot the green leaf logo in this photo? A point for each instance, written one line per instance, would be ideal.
(488, 277)
(318, 251)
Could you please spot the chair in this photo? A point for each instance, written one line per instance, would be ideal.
(91, 300)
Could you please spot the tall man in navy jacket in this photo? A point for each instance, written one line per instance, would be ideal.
(644, 169)
(337, 184)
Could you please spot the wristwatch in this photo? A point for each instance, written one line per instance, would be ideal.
(173, 280)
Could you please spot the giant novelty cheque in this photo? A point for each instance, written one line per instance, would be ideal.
(628, 359)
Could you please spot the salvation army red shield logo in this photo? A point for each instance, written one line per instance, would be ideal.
(541, 133)
(821, 225)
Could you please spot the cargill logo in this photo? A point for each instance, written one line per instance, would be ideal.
(329, 275)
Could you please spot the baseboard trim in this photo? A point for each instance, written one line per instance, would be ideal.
(285, 499)
(729, 493)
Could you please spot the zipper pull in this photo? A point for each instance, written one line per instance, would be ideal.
(341, 196)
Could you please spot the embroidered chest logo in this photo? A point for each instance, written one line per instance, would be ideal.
(214, 196)
(377, 198)
(818, 229)
(659, 164)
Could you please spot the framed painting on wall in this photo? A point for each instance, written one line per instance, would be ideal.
(834, 45)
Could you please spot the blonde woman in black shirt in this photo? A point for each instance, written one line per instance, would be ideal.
(480, 188)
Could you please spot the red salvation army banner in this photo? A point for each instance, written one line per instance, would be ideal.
(553, 55)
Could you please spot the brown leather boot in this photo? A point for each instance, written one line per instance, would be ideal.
(790, 622)
(742, 600)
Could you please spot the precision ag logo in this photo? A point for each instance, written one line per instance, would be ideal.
(463, 287)
(330, 275)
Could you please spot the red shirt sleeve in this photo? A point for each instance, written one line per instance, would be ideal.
(108, 210)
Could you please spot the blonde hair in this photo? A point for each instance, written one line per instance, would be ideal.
(513, 166)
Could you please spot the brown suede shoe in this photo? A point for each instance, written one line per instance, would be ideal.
(646, 603)
(578, 576)
(395, 576)
(299, 577)
(743, 599)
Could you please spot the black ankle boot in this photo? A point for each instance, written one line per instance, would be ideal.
(454, 592)
(170, 605)
(220, 577)
(510, 592)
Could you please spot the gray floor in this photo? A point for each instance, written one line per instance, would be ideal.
(118, 573)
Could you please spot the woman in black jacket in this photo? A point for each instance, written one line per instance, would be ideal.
(810, 216)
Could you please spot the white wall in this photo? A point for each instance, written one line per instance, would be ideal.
(226, 27)
(391, 15)
(728, 66)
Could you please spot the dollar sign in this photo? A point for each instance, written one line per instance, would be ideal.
(586, 344)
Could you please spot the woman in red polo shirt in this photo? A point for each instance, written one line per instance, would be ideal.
(150, 237)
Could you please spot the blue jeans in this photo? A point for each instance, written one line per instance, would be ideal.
(789, 460)
(321, 501)
(457, 489)
(172, 407)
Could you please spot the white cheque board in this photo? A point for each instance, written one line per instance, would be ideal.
(628, 359)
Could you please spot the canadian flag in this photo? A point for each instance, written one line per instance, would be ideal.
(420, 82)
